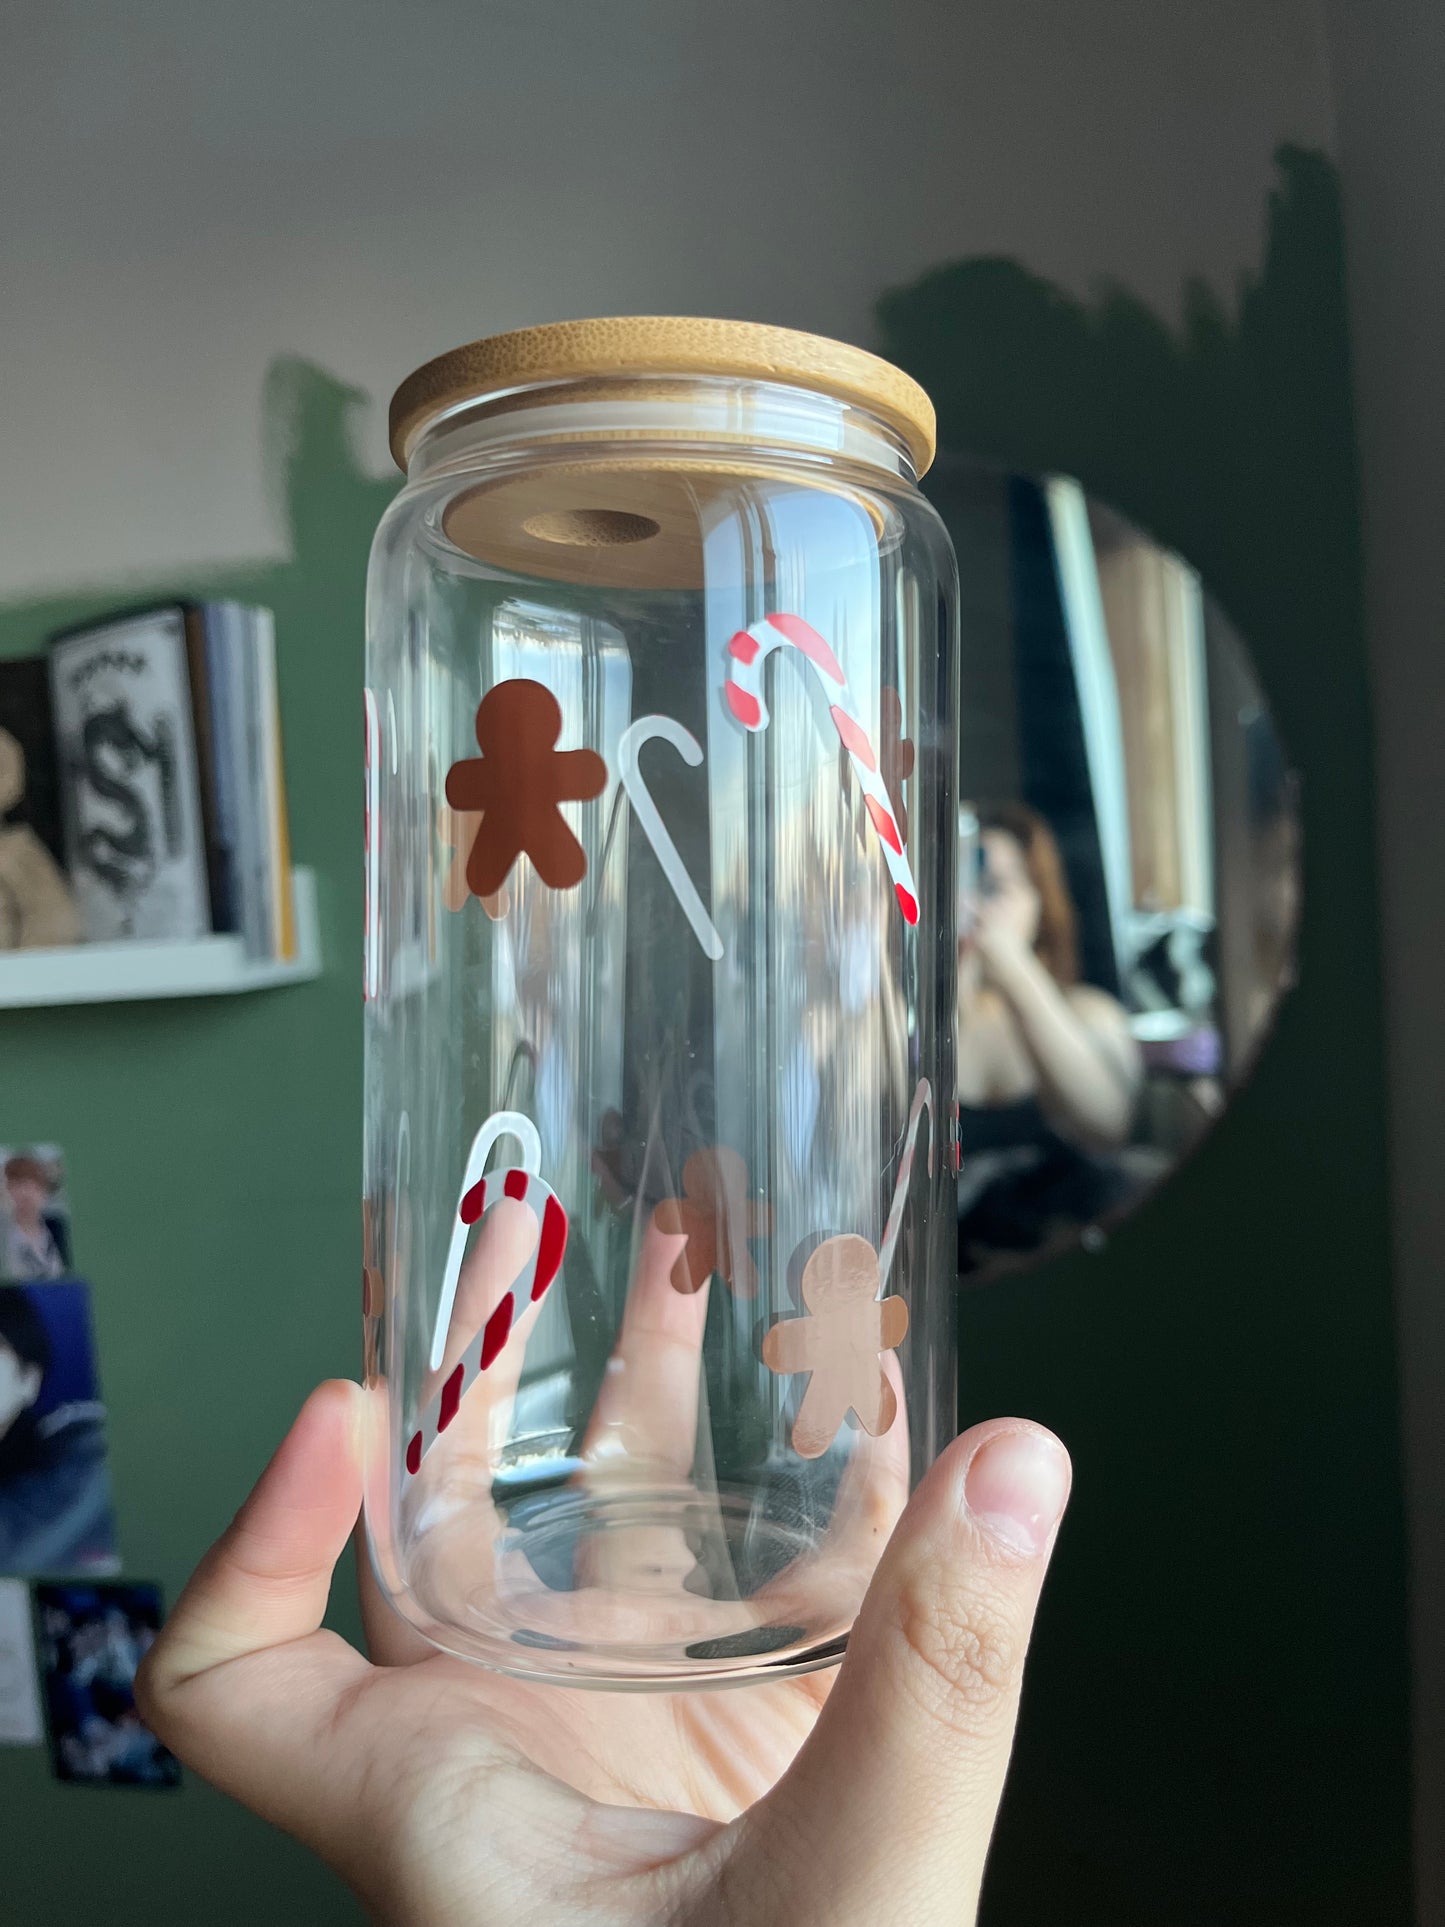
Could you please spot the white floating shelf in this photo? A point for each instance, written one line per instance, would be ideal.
(108, 973)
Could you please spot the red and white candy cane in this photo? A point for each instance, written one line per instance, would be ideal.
(499, 1125)
(922, 1101)
(747, 652)
(526, 1288)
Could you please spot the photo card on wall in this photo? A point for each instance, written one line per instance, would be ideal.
(55, 1499)
(92, 1639)
(20, 1720)
(34, 1214)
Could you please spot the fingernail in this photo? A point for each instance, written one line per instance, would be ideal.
(1016, 1487)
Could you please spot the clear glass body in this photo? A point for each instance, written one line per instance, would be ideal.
(659, 1033)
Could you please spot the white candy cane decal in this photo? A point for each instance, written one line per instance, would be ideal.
(499, 1124)
(922, 1101)
(371, 833)
(526, 1288)
(747, 652)
(646, 811)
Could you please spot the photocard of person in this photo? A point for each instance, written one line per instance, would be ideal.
(55, 1499)
(20, 1718)
(34, 1214)
(92, 1639)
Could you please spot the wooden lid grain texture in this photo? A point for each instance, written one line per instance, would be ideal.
(642, 345)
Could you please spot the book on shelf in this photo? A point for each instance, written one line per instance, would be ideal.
(130, 792)
(37, 907)
(235, 681)
(211, 710)
(171, 775)
(275, 833)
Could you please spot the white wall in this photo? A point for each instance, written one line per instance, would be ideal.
(187, 190)
(1389, 62)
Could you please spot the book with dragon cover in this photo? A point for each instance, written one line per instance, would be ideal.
(130, 787)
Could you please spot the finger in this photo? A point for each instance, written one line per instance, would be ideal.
(470, 1448)
(874, 1488)
(644, 1423)
(504, 1241)
(452, 1493)
(390, 1641)
(444, 1562)
(242, 1684)
(870, 1500)
(266, 1580)
(462, 1461)
(646, 1410)
(896, 1792)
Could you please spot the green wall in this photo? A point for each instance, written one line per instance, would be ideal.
(1215, 1728)
(214, 1150)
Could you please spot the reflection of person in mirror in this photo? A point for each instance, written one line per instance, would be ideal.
(1048, 1070)
(1275, 853)
(54, 1488)
(33, 1237)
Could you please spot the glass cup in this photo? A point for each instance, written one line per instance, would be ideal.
(661, 819)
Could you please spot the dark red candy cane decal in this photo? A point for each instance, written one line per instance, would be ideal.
(527, 1287)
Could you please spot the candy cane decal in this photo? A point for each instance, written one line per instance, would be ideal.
(646, 811)
(371, 833)
(922, 1101)
(747, 652)
(499, 1124)
(526, 1288)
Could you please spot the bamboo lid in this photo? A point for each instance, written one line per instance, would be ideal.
(637, 523)
(643, 345)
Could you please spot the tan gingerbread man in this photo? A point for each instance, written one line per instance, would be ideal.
(840, 1344)
(517, 785)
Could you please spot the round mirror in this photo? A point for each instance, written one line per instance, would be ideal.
(1129, 881)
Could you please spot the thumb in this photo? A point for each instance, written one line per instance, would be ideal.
(242, 1683)
(888, 1809)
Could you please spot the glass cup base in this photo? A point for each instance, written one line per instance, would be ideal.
(632, 1586)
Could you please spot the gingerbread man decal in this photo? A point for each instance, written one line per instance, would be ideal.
(717, 1217)
(517, 784)
(840, 1343)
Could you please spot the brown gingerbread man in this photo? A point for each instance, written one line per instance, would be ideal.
(840, 1343)
(717, 1217)
(517, 783)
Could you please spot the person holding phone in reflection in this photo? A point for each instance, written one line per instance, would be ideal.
(1049, 1073)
